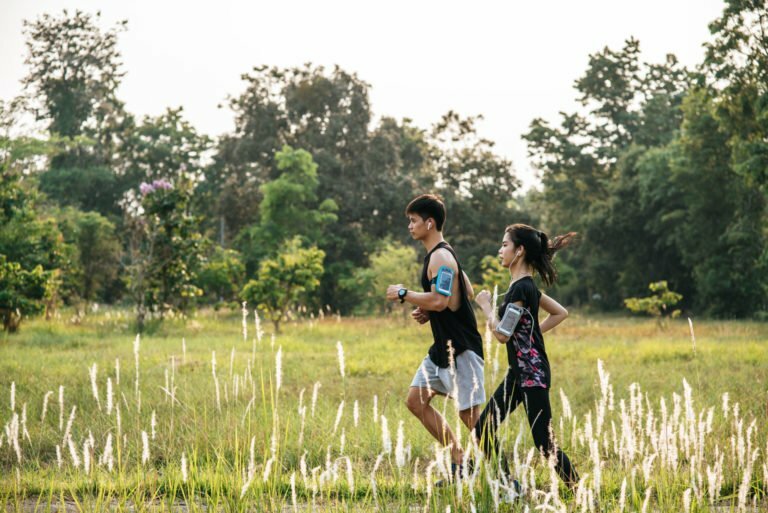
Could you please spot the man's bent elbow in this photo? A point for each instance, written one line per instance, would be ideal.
(440, 303)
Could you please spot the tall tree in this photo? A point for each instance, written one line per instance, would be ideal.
(290, 208)
(74, 69)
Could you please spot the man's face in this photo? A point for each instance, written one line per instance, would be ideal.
(417, 226)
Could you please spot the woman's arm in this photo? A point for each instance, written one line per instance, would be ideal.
(557, 313)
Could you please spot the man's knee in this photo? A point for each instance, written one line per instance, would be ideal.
(416, 401)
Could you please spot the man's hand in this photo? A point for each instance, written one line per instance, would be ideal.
(392, 291)
(420, 316)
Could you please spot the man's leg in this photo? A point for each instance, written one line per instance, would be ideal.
(469, 416)
(419, 403)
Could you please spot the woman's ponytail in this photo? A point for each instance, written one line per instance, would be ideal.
(539, 249)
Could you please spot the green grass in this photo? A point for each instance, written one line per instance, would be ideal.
(380, 357)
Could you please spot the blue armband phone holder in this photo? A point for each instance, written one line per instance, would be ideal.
(444, 281)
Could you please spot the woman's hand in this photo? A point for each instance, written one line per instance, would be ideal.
(483, 300)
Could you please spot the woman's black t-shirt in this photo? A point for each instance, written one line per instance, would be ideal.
(525, 348)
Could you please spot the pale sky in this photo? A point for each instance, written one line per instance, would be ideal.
(510, 61)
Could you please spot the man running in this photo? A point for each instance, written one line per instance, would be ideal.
(454, 364)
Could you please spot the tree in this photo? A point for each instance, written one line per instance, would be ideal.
(21, 292)
(98, 254)
(737, 67)
(165, 250)
(74, 71)
(290, 207)
(164, 147)
(591, 176)
(284, 281)
(477, 186)
(659, 304)
(391, 263)
(221, 277)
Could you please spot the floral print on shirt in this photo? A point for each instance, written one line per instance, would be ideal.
(529, 360)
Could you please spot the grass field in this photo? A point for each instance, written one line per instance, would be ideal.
(202, 416)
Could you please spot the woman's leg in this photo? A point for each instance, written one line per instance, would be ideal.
(539, 412)
(504, 401)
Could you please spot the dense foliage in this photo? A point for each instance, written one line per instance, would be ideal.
(662, 170)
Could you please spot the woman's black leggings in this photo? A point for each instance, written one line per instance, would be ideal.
(505, 399)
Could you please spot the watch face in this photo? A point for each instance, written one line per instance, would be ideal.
(401, 293)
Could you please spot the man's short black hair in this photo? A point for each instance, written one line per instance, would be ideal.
(426, 206)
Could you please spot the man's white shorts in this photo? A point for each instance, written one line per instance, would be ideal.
(466, 385)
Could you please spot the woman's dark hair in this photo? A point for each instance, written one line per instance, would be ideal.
(539, 249)
(426, 206)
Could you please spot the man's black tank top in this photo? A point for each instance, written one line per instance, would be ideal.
(460, 327)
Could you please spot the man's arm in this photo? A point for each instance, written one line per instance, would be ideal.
(468, 286)
(431, 301)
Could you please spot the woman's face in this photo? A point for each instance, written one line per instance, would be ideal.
(507, 250)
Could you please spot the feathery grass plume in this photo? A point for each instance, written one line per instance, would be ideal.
(279, 368)
(245, 321)
(61, 407)
(647, 499)
(215, 380)
(144, 448)
(117, 371)
(231, 363)
(315, 390)
(184, 474)
(268, 469)
(303, 467)
(340, 351)
(257, 322)
(136, 348)
(118, 422)
(356, 412)
(725, 405)
(428, 472)
(350, 475)
(623, 495)
(107, 457)
(110, 394)
(293, 493)
(86, 457)
(342, 441)
(69, 424)
(13, 396)
(59, 461)
(400, 446)
(252, 457)
(386, 440)
(249, 480)
(24, 431)
(47, 396)
(379, 459)
(73, 453)
(94, 386)
(12, 432)
(687, 493)
(153, 424)
(415, 478)
(375, 408)
(339, 413)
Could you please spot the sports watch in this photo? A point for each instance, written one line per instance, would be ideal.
(401, 294)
